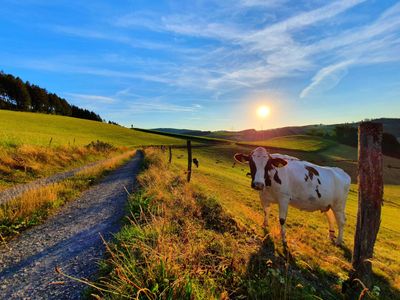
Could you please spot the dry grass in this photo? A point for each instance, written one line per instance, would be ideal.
(34, 206)
(181, 244)
(26, 162)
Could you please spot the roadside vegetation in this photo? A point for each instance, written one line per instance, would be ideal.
(34, 206)
(25, 163)
(204, 239)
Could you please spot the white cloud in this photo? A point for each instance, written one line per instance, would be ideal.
(92, 98)
(327, 78)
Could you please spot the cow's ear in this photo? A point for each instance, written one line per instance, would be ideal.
(242, 158)
(278, 162)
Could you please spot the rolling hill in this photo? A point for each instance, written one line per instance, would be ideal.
(17, 128)
(391, 126)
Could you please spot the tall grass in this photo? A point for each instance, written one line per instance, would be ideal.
(34, 206)
(180, 243)
(27, 162)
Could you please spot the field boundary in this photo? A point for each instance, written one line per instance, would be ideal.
(187, 137)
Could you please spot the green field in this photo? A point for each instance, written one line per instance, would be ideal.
(307, 232)
(17, 128)
(295, 142)
(205, 240)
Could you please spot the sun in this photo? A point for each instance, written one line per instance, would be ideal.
(263, 111)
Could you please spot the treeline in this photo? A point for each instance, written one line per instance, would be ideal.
(24, 96)
(348, 134)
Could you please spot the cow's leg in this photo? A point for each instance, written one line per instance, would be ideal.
(340, 220)
(265, 205)
(283, 209)
(331, 221)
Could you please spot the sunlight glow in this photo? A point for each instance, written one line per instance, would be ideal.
(263, 111)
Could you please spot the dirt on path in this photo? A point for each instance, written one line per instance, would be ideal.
(69, 240)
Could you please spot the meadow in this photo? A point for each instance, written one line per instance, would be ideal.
(34, 145)
(19, 128)
(207, 237)
(306, 143)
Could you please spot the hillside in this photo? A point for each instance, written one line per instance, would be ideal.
(391, 126)
(307, 143)
(17, 128)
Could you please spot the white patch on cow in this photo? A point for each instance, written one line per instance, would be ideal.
(260, 159)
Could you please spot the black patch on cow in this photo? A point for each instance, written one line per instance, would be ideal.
(275, 162)
(267, 179)
(253, 169)
(282, 221)
(319, 181)
(311, 172)
(276, 178)
(318, 193)
(306, 177)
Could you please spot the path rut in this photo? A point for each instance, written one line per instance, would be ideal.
(69, 240)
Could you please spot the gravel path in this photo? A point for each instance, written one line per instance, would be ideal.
(19, 189)
(70, 240)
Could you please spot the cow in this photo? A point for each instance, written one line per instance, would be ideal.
(286, 180)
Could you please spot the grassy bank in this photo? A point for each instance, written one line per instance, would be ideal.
(204, 240)
(181, 244)
(34, 206)
(25, 163)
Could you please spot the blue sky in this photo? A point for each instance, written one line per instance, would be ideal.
(209, 64)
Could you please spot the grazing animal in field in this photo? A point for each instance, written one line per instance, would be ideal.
(286, 180)
(196, 162)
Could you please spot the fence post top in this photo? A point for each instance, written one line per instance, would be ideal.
(368, 125)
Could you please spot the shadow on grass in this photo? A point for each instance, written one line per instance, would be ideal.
(274, 273)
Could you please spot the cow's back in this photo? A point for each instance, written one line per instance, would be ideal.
(310, 187)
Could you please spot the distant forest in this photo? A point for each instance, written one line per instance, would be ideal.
(24, 96)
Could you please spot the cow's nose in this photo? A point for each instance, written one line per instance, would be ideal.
(257, 186)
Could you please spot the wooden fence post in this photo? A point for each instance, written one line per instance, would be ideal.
(170, 154)
(370, 199)
(189, 150)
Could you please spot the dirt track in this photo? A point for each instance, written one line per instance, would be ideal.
(69, 240)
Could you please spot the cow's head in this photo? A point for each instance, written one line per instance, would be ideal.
(260, 162)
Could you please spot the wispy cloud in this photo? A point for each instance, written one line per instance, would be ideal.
(149, 106)
(92, 98)
(327, 77)
(227, 50)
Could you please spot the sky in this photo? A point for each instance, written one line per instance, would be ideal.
(208, 64)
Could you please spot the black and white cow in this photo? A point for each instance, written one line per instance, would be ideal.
(288, 181)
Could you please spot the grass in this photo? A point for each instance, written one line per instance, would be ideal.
(204, 240)
(294, 142)
(181, 244)
(34, 206)
(26, 162)
(306, 231)
(24, 128)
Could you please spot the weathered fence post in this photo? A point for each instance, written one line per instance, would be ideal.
(170, 154)
(370, 199)
(189, 170)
